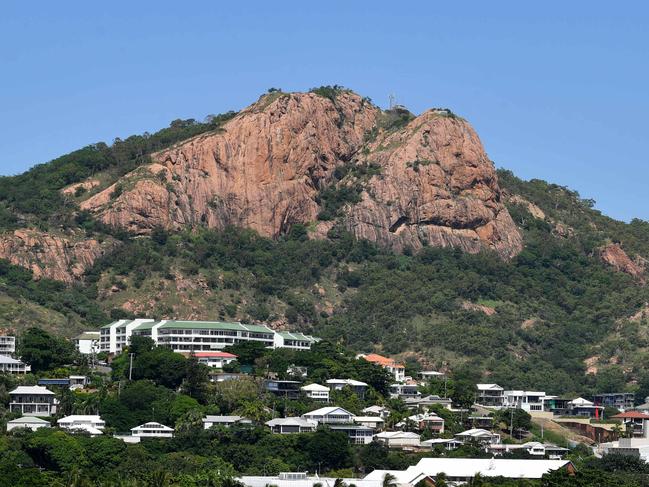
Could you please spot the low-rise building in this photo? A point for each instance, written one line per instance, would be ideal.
(10, 365)
(529, 401)
(427, 401)
(448, 444)
(584, 407)
(644, 407)
(7, 345)
(28, 422)
(636, 422)
(490, 395)
(225, 421)
(374, 422)
(87, 343)
(83, 423)
(377, 410)
(330, 415)
(396, 369)
(533, 448)
(357, 434)
(634, 447)
(429, 421)
(285, 426)
(477, 434)
(430, 374)
(316, 392)
(404, 391)
(152, 430)
(357, 386)
(302, 479)
(618, 400)
(215, 360)
(398, 439)
(294, 340)
(289, 389)
(33, 401)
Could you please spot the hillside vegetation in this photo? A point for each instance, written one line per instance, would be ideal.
(537, 321)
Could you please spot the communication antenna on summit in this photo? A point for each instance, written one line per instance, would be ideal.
(393, 101)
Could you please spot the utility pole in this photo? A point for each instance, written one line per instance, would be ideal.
(511, 423)
(130, 368)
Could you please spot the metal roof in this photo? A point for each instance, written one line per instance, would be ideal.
(214, 325)
(32, 390)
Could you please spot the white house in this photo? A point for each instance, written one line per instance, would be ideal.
(461, 470)
(398, 439)
(377, 410)
(87, 343)
(302, 479)
(316, 392)
(446, 443)
(374, 422)
(490, 395)
(294, 340)
(215, 360)
(29, 422)
(10, 365)
(526, 400)
(152, 430)
(533, 448)
(635, 447)
(396, 369)
(7, 345)
(330, 415)
(357, 386)
(478, 434)
(226, 421)
(88, 423)
(33, 401)
(285, 426)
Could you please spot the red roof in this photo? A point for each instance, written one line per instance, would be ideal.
(631, 415)
(381, 360)
(215, 355)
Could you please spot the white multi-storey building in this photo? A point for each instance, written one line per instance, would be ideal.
(526, 400)
(88, 342)
(33, 401)
(198, 336)
(152, 430)
(490, 395)
(10, 365)
(316, 392)
(7, 345)
(88, 423)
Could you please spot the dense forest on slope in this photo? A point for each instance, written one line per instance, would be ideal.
(541, 320)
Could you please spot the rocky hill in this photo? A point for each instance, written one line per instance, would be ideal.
(320, 211)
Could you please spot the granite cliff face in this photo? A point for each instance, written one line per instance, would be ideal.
(60, 257)
(434, 184)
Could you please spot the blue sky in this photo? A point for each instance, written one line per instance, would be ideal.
(556, 90)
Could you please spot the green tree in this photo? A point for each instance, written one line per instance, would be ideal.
(44, 351)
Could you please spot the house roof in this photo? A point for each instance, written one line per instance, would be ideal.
(289, 335)
(349, 382)
(369, 419)
(475, 432)
(327, 410)
(489, 387)
(291, 422)
(314, 387)
(222, 419)
(631, 415)
(152, 425)
(214, 325)
(375, 409)
(88, 335)
(381, 360)
(81, 417)
(9, 360)
(397, 434)
(40, 390)
(118, 322)
(215, 355)
(28, 420)
(488, 467)
(580, 401)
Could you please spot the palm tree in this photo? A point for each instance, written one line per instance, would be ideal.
(389, 480)
(340, 483)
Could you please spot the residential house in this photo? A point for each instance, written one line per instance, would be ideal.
(376, 410)
(398, 439)
(404, 391)
(83, 423)
(357, 386)
(152, 430)
(215, 360)
(10, 365)
(33, 401)
(78, 381)
(374, 422)
(427, 375)
(28, 422)
(316, 392)
(556, 405)
(533, 448)
(87, 343)
(285, 426)
(445, 443)
(330, 415)
(7, 345)
(294, 340)
(619, 400)
(396, 369)
(529, 401)
(634, 447)
(644, 407)
(357, 434)
(429, 421)
(289, 389)
(225, 421)
(463, 470)
(427, 401)
(479, 435)
(483, 422)
(635, 421)
(490, 395)
(584, 407)
(302, 479)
